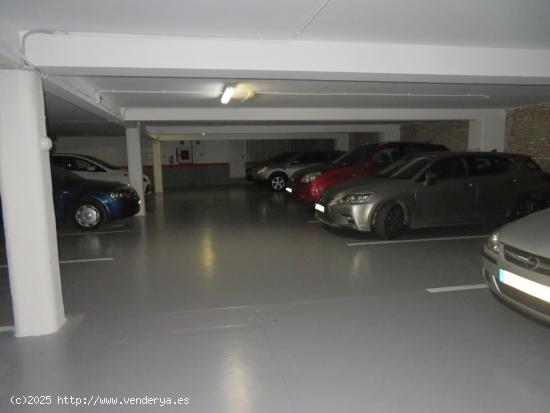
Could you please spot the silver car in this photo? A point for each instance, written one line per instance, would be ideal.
(436, 189)
(278, 170)
(516, 264)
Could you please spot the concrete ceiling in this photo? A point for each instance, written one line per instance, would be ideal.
(472, 28)
(498, 23)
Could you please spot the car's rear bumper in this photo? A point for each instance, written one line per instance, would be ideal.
(519, 300)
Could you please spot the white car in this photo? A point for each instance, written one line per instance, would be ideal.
(90, 167)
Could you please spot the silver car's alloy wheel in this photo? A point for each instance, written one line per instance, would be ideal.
(87, 216)
(278, 183)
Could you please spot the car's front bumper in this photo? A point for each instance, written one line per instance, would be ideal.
(301, 190)
(357, 216)
(124, 208)
(493, 264)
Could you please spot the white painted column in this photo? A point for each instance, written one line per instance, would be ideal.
(341, 143)
(237, 154)
(390, 133)
(28, 212)
(487, 132)
(157, 166)
(135, 164)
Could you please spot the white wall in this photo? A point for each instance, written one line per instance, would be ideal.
(109, 148)
(203, 150)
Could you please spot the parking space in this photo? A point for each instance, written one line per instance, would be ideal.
(313, 320)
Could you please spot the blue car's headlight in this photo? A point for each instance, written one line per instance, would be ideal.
(355, 198)
(120, 195)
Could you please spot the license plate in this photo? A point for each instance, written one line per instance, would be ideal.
(320, 208)
(289, 190)
(532, 288)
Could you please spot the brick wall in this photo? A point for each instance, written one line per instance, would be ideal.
(528, 132)
(452, 134)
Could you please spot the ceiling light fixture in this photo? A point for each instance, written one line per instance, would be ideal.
(227, 94)
(249, 95)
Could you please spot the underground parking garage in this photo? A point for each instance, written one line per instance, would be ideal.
(207, 216)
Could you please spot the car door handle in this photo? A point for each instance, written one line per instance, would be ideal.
(514, 181)
(469, 186)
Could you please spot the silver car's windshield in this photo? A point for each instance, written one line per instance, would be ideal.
(351, 157)
(282, 158)
(405, 168)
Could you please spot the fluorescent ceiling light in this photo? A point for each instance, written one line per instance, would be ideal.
(227, 94)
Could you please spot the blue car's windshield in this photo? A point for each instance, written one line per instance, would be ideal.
(102, 162)
(61, 175)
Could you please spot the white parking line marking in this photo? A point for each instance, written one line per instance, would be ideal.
(78, 261)
(401, 241)
(457, 288)
(5, 329)
(86, 260)
(76, 234)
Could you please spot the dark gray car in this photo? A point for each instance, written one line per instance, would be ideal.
(278, 170)
(436, 189)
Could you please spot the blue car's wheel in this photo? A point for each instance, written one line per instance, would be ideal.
(88, 215)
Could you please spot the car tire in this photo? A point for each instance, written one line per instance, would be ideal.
(277, 181)
(389, 221)
(524, 207)
(88, 215)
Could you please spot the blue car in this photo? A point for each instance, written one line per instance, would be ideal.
(88, 203)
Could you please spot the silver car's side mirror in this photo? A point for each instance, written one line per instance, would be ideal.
(430, 178)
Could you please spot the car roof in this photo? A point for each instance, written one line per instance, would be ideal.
(403, 143)
(70, 154)
(447, 154)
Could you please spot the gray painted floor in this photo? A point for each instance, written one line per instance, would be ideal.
(232, 298)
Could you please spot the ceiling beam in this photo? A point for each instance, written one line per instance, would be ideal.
(267, 129)
(81, 97)
(308, 115)
(133, 55)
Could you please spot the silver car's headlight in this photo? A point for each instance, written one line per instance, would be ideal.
(355, 198)
(493, 243)
(262, 170)
(310, 177)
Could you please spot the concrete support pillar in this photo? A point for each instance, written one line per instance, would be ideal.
(157, 166)
(341, 143)
(135, 164)
(390, 133)
(27, 206)
(487, 132)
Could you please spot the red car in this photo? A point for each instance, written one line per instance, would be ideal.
(308, 184)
